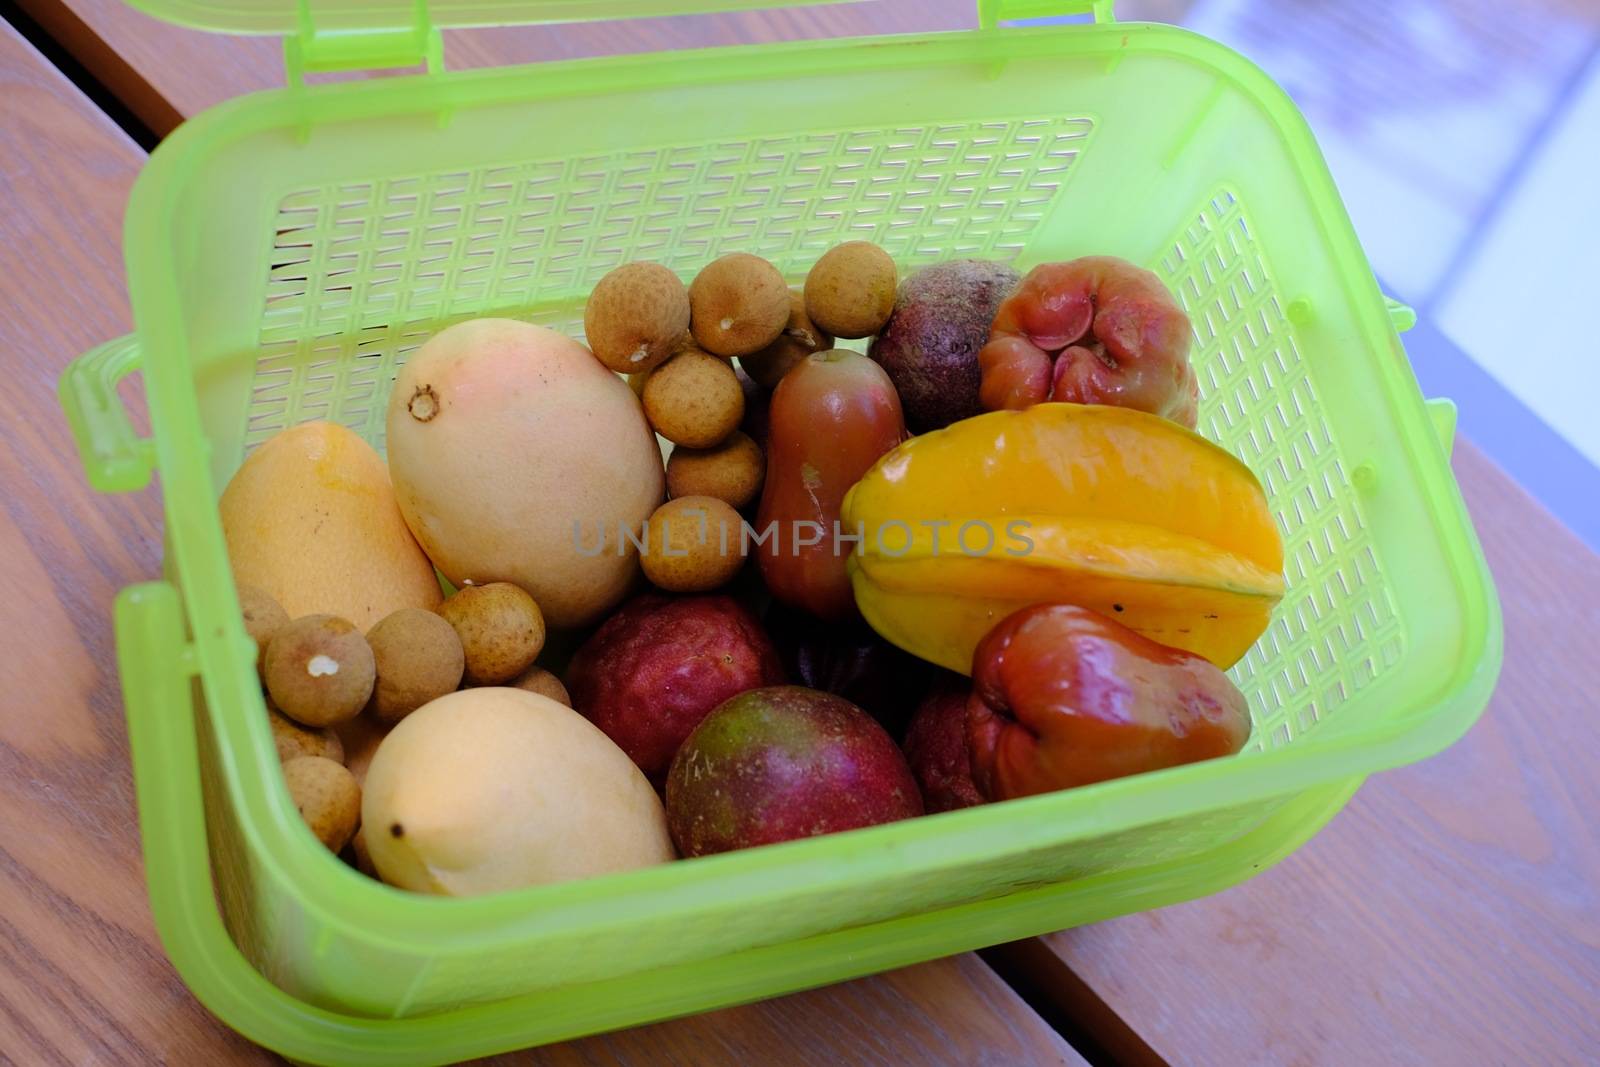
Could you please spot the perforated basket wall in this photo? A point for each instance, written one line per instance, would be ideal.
(361, 274)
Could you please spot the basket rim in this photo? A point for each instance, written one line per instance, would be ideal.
(216, 970)
(335, 894)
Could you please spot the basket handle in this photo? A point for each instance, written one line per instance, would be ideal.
(993, 12)
(115, 457)
(1402, 316)
(1441, 410)
(1442, 416)
(158, 665)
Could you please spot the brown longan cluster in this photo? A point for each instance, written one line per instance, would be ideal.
(332, 693)
(799, 338)
(677, 345)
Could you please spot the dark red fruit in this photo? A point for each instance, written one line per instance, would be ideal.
(851, 661)
(930, 345)
(782, 763)
(659, 665)
(1064, 697)
(832, 416)
(936, 747)
(1096, 330)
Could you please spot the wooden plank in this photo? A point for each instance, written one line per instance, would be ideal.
(953, 1011)
(82, 976)
(133, 54)
(1450, 914)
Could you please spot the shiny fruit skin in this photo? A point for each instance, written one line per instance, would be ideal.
(1064, 697)
(936, 747)
(831, 418)
(491, 790)
(1095, 330)
(783, 763)
(517, 457)
(311, 521)
(661, 664)
(1121, 512)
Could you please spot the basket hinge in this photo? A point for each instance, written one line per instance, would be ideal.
(993, 12)
(322, 46)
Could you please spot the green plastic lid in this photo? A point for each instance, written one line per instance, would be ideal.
(291, 16)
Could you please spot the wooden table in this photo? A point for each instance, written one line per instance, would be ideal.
(1451, 912)
(1447, 915)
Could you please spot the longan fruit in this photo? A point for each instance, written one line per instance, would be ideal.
(363, 858)
(538, 680)
(693, 543)
(732, 471)
(418, 657)
(850, 290)
(327, 797)
(800, 338)
(694, 399)
(360, 737)
(319, 670)
(757, 406)
(635, 316)
(738, 305)
(501, 630)
(263, 616)
(292, 740)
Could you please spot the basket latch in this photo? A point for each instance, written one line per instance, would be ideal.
(993, 12)
(326, 43)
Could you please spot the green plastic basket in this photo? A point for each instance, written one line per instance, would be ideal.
(287, 250)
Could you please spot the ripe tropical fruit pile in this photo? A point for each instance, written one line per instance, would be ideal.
(985, 557)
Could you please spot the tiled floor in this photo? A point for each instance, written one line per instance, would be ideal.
(1465, 137)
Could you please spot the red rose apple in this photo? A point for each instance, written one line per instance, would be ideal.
(1063, 697)
(1096, 330)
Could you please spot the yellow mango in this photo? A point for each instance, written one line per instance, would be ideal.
(311, 519)
(1114, 510)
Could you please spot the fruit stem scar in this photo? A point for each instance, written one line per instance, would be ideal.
(424, 403)
(396, 830)
(319, 665)
(726, 324)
